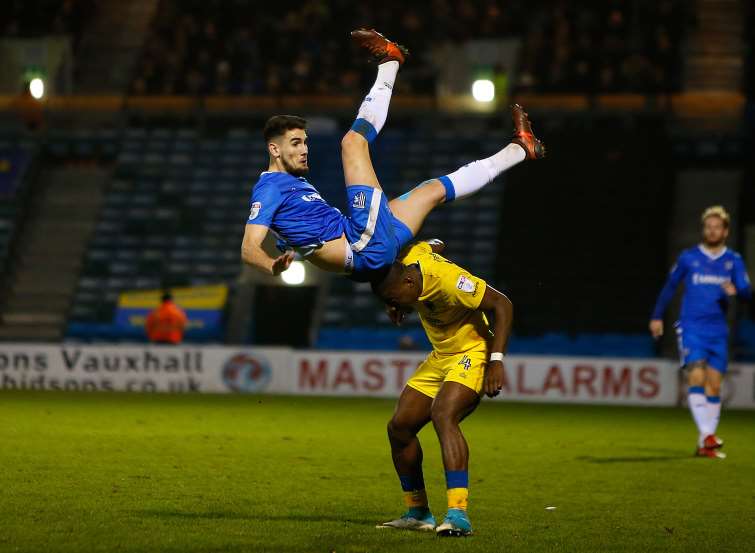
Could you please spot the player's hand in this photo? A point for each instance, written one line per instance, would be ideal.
(395, 314)
(493, 381)
(656, 328)
(729, 288)
(283, 262)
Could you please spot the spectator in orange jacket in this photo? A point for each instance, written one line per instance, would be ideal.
(166, 324)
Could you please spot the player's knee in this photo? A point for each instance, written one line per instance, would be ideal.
(395, 428)
(696, 373)
(398, 432)
(443, 416)
(353, 141)
(713, 388)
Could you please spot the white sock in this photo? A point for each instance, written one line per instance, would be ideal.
(505, 159)
(698, 405)
(469, 179)
(714, 413)
(374, 108)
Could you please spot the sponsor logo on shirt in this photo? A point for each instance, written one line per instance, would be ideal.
(256, 206)
(698, 278)
(466, 285)
(359, 201)
(314, 197)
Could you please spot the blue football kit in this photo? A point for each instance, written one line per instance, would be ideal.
(302, 220)
(702, 330)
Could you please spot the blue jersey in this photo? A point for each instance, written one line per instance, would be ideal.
(704, 303)
(294, 210)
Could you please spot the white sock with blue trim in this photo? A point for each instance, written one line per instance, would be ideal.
(467, 180)
(714, 413)
(698, 405)
(374, 109)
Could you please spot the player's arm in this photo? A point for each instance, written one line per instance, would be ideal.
(253, 254)
(437, 245)
(503, 310)
(740, 286)
(676, 275)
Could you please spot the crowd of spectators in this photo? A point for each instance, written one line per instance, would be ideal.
(605, 47)
(233, 47)
(202, 47)
(34, 18)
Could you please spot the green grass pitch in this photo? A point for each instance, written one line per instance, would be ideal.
(155, 473)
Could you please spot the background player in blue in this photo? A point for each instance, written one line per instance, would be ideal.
(374, 230)
(712, 274)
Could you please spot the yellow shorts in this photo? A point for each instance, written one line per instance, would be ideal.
(465, 368)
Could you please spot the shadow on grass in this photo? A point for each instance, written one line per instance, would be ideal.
(636, 459)
(257, 517)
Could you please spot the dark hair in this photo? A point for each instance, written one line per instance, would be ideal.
(277, 125)
(385, 277)
(167, 296)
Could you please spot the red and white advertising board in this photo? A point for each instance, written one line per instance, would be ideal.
(551, 379)
(216, 369)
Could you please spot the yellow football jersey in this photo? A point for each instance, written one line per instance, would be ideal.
(448, 304)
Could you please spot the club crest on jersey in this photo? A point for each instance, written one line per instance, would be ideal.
(465, 362)
(359, 201)
(729, 265)
(256, 206)
(466, 285)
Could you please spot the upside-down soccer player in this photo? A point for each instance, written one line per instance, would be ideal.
(712, 274)
(467, 360)
(375, 230)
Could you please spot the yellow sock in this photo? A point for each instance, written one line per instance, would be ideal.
(415, 498)
(457, 498)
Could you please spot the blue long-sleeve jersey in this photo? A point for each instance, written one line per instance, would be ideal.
(294, 210)
(704, 303)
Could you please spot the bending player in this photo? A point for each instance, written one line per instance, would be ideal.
(466, 360)
(375, 230)
(712, 274)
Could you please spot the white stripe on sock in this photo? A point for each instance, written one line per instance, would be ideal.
(374, 108)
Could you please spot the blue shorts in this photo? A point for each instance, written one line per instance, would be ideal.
(696, 347)
(374, 234)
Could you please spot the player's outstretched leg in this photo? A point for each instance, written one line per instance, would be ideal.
(412, 413)
(355, 153)
(452, 404)
(413, 207)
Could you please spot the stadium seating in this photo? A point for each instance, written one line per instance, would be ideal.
(16, 156)
(173, 215)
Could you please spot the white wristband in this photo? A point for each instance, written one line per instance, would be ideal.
(496, 356)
